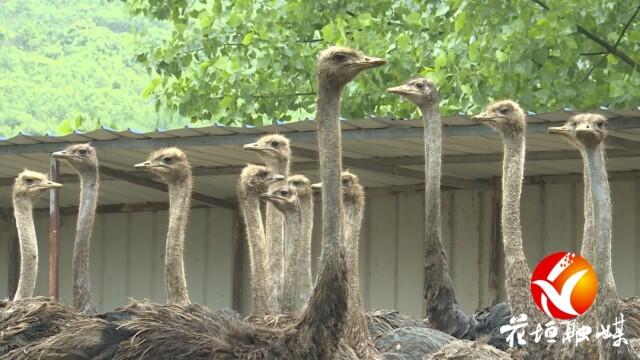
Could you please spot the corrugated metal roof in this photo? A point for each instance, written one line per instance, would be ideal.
(375, 146)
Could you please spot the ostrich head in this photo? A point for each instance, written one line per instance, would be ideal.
(283, 198)
(505, 116)
(170, 164)
(30, 185)
(351, 187)
(301, 184)
(420, 91)
(590, 129)
(339, 65)
(82, 157)
(256, 179)
(274, 147)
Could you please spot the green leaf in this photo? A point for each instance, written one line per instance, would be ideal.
(247, 39)
(501, 56)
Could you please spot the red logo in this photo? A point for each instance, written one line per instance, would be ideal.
(564, 285)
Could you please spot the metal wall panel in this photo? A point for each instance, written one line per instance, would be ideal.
(128, 248)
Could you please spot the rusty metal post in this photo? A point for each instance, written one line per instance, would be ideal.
(54, 223)
(238, 255)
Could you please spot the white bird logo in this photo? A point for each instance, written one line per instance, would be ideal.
(561, 300)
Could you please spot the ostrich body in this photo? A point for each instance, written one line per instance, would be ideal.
(587, 131)
(442, 308)
(254, 180)
(172, 166)
(508, 119)
(28, 186)
(172, 331)
(27, 319)
(302, 186)
(82, 158)
(285, 199)
(469, 350)
(275, 152)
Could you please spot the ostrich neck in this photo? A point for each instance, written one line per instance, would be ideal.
(601, 200)
(439, 296)
(250, 208)
(517, 283)
(275, 239)
(357, 333)
(82, 295)
(293, 229)
(588, 238)
(326, 312)
(23, 212)
(306, 282)
(179, 204)
(607, 298)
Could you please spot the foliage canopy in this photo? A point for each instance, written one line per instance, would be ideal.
(246, 61)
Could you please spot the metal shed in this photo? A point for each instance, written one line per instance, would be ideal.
(387, 154)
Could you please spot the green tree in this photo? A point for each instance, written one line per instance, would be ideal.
(252, 62)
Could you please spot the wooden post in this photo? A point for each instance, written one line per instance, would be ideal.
(238, 255)
(10, 235)
(54, 222)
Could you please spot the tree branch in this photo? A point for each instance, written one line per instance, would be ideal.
(541, 3)
(594, 67)
(611, 49)
(626, 27)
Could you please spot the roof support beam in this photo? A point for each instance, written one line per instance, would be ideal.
(392, 132)
(619, 142)
(142, 181)
(373, 165)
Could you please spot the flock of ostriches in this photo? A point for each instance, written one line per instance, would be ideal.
(293, 317)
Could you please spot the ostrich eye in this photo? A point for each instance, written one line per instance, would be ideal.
(284, 193)
(600, 124)
(263, 174)
(29, 181)
(275, 144)
(503, 110)
(346, 182)
(420, 85)
(167, 160)
(339, 57)
(574, 124)
(297, 183)
(82, 152)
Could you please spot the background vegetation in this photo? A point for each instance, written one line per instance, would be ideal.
(252, 62)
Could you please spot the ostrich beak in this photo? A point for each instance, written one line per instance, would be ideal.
(253, 147)
(481, 117)
(400, 90)
(370, 62)
(142, 165)
(267, 195)
(559, 130)
(52, 185)
(63, 154)
(316, 187)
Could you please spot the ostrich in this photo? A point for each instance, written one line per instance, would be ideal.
(469, 350)
(357, 332)
(27, 319)
(508, 119)
(172, 166)
(172, 331)
(589, 131)
(442, 308)
(286, 201)
(302, 186)
(254, 180)
(28, 187)
(82, 158)
(274, 150)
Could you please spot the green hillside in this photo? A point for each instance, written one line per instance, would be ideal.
(70, 65)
